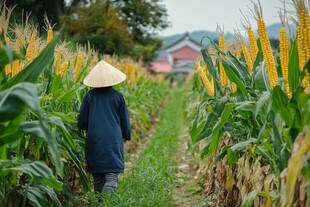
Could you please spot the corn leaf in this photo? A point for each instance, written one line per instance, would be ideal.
(264, 98)
(293, 65)
(248, 201)
(79, 168)
(39, 129)
(280, 105)
(238, 67)
(212, 117)
(60, 125)
(7, 56)
(217, 129)
(37, 196)
(259, 79)
(234, 76)
(209, 63)
(281, 154)
(13, 100)
(37, 170)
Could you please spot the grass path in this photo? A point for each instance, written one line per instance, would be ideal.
(153, 180)
(187, 191)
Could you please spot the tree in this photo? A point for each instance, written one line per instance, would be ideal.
(37, 8)
(103, 27)
(145, 18)
(53, 9)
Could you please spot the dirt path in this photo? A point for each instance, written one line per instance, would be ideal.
(187, 189)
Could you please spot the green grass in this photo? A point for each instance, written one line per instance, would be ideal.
(152, 178)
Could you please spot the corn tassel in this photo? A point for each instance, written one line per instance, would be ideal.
(78, 65)
(247, 58)
(205, 81)
(223, 77)
(253, 45)
(19, 44)
(284, 55)
(267, 52)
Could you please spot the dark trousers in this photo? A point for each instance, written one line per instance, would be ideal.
(105, 182)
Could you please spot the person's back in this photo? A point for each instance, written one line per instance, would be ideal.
(104, 116)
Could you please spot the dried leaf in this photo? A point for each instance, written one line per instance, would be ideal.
(300, 148)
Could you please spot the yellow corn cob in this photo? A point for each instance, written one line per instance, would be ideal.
(205, 81)
(31, 49)
(15, 67)
(303, 37)
(7, 69)
(267, 52)
(34, 51)
(284, 55)
(129, 69)
(301, 55)
(63, 68)
(78, 65)
(238, 51)
(21, 67)
(160, 79)
(223, 77)
(137, 79)
(58, 60)
(234, 87)
(253, 45)
(247, 57)
(49, 35)
(49, 29)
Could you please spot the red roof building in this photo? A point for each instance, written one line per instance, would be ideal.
(178, 57)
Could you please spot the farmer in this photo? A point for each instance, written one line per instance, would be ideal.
(104, 116)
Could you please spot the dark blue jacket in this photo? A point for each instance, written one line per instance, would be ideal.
(104, 116)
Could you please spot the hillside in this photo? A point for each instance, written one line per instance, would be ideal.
(272, 30)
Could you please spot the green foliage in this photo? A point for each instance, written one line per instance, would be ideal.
(254, 115)
(125, 28)
(144, 17)
(37, 8)
(103, 27)
(20, 175)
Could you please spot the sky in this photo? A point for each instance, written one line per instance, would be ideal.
(192, 15)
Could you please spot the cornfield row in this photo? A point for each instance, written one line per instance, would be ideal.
(41, 148)
(250, 122)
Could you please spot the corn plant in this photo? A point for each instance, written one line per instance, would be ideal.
(267, 112)
(25, 178)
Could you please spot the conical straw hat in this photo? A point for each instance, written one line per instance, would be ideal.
(104, 75)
